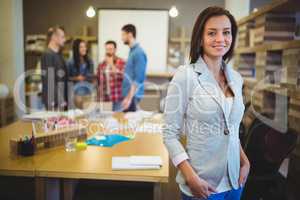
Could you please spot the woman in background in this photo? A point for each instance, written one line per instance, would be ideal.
(80, 68)
(206, 96)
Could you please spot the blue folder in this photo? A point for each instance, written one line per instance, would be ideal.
(107, 140)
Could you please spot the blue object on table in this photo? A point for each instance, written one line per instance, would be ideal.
(107, 140)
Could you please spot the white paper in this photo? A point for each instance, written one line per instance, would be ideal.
(132, 163)
(145, 160)
(40, 115)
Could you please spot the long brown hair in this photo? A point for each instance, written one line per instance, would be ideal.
(76, 55)
(197, 35)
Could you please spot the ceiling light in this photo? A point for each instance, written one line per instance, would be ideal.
(90, 12)
(173, 12)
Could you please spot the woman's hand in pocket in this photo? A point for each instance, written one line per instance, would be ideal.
(199, 187)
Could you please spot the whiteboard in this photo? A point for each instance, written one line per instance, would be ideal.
(152, 34)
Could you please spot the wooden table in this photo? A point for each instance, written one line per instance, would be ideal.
(22, 166)
(92, 163)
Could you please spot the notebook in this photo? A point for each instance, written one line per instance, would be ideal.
(136, 162)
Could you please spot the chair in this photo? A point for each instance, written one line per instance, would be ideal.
(266, 149)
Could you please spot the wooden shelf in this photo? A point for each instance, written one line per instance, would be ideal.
(157, 87)
(180, 39)
(86, 38)
(40, 53)
(272, 46)
(249, 80)
(34, 52)
(183, 40)
(159, 75)
(33, 93)
(274, 88)
(275, 6)
(277, 89)
(256, 90)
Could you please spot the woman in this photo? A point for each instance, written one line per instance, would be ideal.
(206, 96)
(80, 68)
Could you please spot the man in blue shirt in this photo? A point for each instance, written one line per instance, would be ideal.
(135, 70)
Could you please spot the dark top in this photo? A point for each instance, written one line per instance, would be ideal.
(54, 80)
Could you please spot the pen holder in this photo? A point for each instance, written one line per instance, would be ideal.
(26, 148)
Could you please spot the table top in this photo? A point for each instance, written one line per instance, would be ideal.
(22, 166)
(92, 163)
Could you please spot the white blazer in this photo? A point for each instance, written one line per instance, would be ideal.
(196, 102)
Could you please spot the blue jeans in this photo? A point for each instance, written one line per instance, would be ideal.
(228, 195)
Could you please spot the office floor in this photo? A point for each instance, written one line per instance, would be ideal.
(12, 188)
(90, 190)
(22, 188)
(15, 188)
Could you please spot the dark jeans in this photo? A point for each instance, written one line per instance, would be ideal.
(133, 105)
(228, 195)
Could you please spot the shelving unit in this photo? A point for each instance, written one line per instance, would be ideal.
(166, 75)
(275, 6)
(182, 39)
(275, 56)
(269, 47)
(7, 112)
(178, 49)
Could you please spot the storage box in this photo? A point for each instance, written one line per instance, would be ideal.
(243, 34)
(272, 27)
(7, 112)
(50, 139)
(269, 66)
(291, 66)
(252, 37)
(245, 64)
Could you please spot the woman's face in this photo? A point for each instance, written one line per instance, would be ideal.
(82, 49)
(217, 36)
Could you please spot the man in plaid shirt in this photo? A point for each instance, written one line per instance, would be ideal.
(110, 76)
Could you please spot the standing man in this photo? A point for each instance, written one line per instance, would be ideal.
(110, 74)
(135, 69)
(54, 71)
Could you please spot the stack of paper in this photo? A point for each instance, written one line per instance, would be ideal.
(136, 162)
(40, 115)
